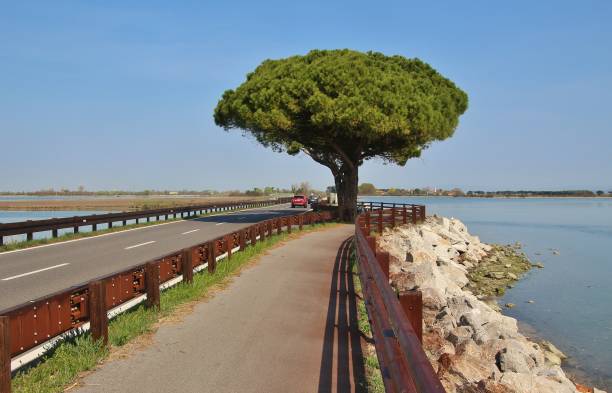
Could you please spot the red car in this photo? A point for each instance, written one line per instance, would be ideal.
(299, 200)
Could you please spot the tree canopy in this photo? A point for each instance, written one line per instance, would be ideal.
(367, 189)
(342, 107)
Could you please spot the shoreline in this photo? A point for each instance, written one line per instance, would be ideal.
(471, 343)
(491, 197)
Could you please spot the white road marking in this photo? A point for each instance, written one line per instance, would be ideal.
(139, 245)
(185, 233)
(220, 223)
(35, 271)
(119, 232)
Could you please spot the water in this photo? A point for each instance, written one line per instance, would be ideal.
(17, 216)
(573, 293)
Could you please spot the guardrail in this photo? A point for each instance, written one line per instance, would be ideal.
(396, 319)
(29, 330)
(28, 228)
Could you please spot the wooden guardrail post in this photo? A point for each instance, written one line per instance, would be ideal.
(187, 265)
(380, 219)
(269, 225)
(383, 261)
(288, 224)
(372, 243)
(412, 303)
(404, 221)
(98, 319)
(212, 257)
(242, 239)
(229, 243)
(301, 221)
(5, 355)
(152, 284)
(393, 216)
(253, 235)
(367, 223)
(279, 225)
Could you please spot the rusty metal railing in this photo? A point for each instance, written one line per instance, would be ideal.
(396, 319)
(29, 330)
(28, 228)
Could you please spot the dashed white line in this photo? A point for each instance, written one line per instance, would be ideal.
(139, 245)
(192, 231)
(35, 271)
(220, 223)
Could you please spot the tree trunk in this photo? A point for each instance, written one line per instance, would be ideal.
(346, 187)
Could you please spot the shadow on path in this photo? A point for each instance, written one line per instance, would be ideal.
(342, 357)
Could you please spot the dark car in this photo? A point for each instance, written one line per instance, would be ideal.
(299, 200)
(313, 200)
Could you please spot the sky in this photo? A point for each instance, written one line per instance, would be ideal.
(120, 94)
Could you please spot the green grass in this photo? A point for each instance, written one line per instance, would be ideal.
(374, 379)
(62, 366)
(71, 236)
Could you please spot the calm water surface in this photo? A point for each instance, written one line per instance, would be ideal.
(573, 293)
(17, 216)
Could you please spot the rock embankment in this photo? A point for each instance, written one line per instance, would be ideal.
(473, 347)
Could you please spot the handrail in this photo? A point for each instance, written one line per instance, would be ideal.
(53, 224)
(405, 366)
(28, 330)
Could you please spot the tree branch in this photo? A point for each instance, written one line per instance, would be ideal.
(346, 158)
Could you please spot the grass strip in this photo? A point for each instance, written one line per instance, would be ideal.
(374, 381)
(71, 236)
(62, 366)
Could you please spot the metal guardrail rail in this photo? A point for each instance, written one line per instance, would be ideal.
(28, 228)
(29, 330)
(396, 319)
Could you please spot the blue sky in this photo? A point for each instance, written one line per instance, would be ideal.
(120, 94)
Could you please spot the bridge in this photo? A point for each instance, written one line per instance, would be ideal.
(50, 292)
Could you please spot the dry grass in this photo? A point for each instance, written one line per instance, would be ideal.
(118, 204)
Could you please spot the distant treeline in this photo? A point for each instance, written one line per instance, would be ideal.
(522, 193)
(370, 189)
(298, 188)
(111, 193)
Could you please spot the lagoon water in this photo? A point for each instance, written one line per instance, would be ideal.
(573, 293)
(19, 215)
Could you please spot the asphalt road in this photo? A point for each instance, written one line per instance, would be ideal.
(286, 324)
(31, 273)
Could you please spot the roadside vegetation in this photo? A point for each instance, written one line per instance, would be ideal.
(71, 236)
(374, 381)
(59, 369)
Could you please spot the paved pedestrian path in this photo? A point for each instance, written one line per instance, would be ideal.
(286, 324)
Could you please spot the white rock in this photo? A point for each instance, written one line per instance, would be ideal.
(474, 338)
